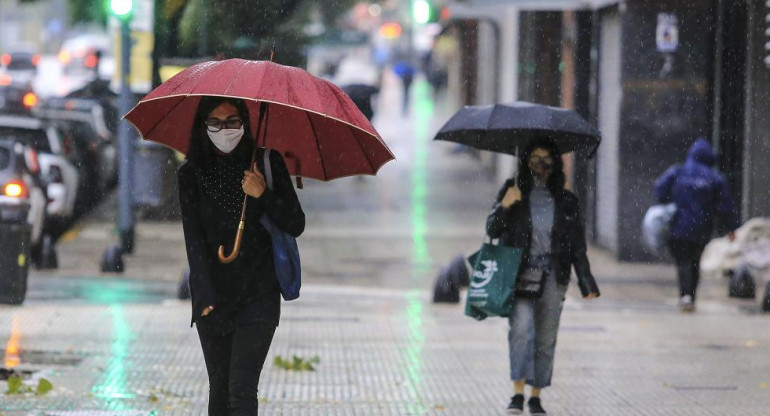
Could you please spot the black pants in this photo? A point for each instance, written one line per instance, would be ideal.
(234, 354)
(687, 256)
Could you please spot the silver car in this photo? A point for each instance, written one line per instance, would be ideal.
(57, 161)
(22, 197)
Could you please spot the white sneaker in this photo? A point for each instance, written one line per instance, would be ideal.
(686, 304)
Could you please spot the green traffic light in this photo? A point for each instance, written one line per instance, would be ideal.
(421, 10)
(121, 8)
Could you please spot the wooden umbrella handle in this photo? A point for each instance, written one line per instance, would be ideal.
(239, 234)
(236, 247)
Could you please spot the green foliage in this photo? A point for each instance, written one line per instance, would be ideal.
(239, 29)
(88, 11)
(296, 363)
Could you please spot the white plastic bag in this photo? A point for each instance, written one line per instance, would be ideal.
(655, 227)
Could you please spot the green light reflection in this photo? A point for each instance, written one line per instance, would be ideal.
(423, 112)
(113, 384)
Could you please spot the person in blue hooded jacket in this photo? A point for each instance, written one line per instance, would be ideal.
(703, 203)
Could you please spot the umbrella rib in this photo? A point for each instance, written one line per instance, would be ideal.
(200, 80)
(272, 101)
(360, 145)
(159, 120)
(317, 144)
(234, 79)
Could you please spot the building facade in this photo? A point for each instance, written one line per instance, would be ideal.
(654, 75)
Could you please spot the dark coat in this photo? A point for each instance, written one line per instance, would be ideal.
(513, 226)
(701, 196)
(249, 281)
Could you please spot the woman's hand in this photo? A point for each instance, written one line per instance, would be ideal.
(591, 295)
(207, 310)
(512, 195)
(253, 182)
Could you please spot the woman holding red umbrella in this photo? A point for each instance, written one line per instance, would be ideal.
(235, 305)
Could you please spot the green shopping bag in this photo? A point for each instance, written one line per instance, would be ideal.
(493, 280)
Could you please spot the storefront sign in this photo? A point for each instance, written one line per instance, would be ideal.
(667, 33)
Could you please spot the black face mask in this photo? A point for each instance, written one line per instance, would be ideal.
(542, 164)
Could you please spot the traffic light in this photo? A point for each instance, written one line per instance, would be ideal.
(425, 11)
(121, 9)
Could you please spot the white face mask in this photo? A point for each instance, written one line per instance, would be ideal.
(226, 139)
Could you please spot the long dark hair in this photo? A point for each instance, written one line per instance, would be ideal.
(526, 181)
(202, 150)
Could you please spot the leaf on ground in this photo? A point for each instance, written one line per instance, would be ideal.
(14, 385)
(43, 387)
(296, 363)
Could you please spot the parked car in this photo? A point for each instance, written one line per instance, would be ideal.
(58, 161)
(22, 194)
(83, 53)
(16, 97)
(90, 125)
(20, 63)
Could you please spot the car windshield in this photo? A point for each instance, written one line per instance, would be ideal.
(33, 137)
(21, 63)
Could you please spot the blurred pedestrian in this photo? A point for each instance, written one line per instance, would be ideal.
(703, 202)
(405, 70)
(536, 213)
(235, 306)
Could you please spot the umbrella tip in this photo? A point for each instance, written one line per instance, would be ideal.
(272, 52)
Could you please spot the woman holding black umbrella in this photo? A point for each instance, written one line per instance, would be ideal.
(236, 304)
(536, 213)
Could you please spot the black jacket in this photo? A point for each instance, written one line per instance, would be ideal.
(513, 226)
(210, 200)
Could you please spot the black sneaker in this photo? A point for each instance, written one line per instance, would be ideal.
(516, 406)
(535, 408)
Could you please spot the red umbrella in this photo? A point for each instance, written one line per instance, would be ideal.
(312, 122)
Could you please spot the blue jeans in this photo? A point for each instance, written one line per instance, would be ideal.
(534, 324)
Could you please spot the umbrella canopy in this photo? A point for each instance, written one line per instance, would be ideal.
(506, 128)
(313, 123)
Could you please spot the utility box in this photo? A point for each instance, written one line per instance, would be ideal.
(14, 262)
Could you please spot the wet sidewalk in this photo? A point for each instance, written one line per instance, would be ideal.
(392, 352)
(122, 345)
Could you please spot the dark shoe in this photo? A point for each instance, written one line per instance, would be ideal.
(516, 406)
(535, 408)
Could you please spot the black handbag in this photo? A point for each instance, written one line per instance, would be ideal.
(529, 284)
(741, 284)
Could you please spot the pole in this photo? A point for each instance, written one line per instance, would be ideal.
(410, 31)
(204, 31)
(126, 145)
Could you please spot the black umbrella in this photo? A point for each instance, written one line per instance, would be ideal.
(361, 94)
(506, 128)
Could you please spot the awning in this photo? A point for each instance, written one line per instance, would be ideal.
(533, 5)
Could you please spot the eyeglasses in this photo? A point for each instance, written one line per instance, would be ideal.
(537, 159)
(214, 124)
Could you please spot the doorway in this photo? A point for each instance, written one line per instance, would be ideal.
(730, 91)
